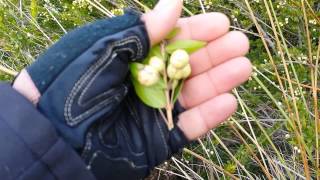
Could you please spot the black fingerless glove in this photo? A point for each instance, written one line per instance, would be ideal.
(87, 95)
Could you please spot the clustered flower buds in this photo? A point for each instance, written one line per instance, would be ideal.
(179, 58)
(148, 76)
(178, 68)
(159, 79)
(157, 63)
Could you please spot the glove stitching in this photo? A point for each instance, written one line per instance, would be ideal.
(84, 78)
(114, 55)
(68, 117)
(87, 147)
(101, 140)
(161, 133)
(157, 120)
(76, 120)
(81, 117)
(133, 111)
(130, 149)
(124, 159)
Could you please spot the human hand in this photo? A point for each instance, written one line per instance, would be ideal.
(119, 136)
(216, 69)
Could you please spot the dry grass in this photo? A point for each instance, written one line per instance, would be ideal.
(275, 133)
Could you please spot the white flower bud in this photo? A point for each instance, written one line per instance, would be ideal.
(179, 58)
(186, 71)
(157, 63)
(178, 75)
(171, 71)
(148, 76)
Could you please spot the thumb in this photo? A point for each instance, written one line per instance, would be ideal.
(162, 19)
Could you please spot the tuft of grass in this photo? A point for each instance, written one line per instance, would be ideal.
(275, 132)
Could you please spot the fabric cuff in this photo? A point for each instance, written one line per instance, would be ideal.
(39, 136)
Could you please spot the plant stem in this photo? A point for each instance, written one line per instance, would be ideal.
(163, 116)
(209, 162)
(167, 93)
(169, 110)
(7, 71)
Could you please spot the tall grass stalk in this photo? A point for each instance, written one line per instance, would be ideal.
(275, 132)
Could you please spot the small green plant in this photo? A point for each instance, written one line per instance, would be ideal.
(159, 79)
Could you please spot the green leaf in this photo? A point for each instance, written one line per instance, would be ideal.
(177, 90)
(135, 68)
(173, 33)
(189, 45)
(154, 51)
(153, 96)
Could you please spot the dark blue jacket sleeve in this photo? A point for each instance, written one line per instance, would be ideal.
(30, 147)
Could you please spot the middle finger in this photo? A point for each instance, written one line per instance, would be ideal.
(218, 80)
(231, 45)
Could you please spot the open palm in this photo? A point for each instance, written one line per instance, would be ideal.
(216, 69)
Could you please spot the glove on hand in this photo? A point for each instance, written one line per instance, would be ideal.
(86, 93)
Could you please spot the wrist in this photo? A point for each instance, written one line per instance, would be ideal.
(25, 86)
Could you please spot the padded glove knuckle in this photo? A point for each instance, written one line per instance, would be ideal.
(89, 84)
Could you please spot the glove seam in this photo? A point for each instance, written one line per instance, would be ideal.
(84, 78)
(127, 137)
(123, 159)
(161, 133)
(130, 104)
(87, 146)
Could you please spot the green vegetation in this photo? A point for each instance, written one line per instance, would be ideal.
(275, 132)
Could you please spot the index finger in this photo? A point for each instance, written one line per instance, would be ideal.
(203, 27)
